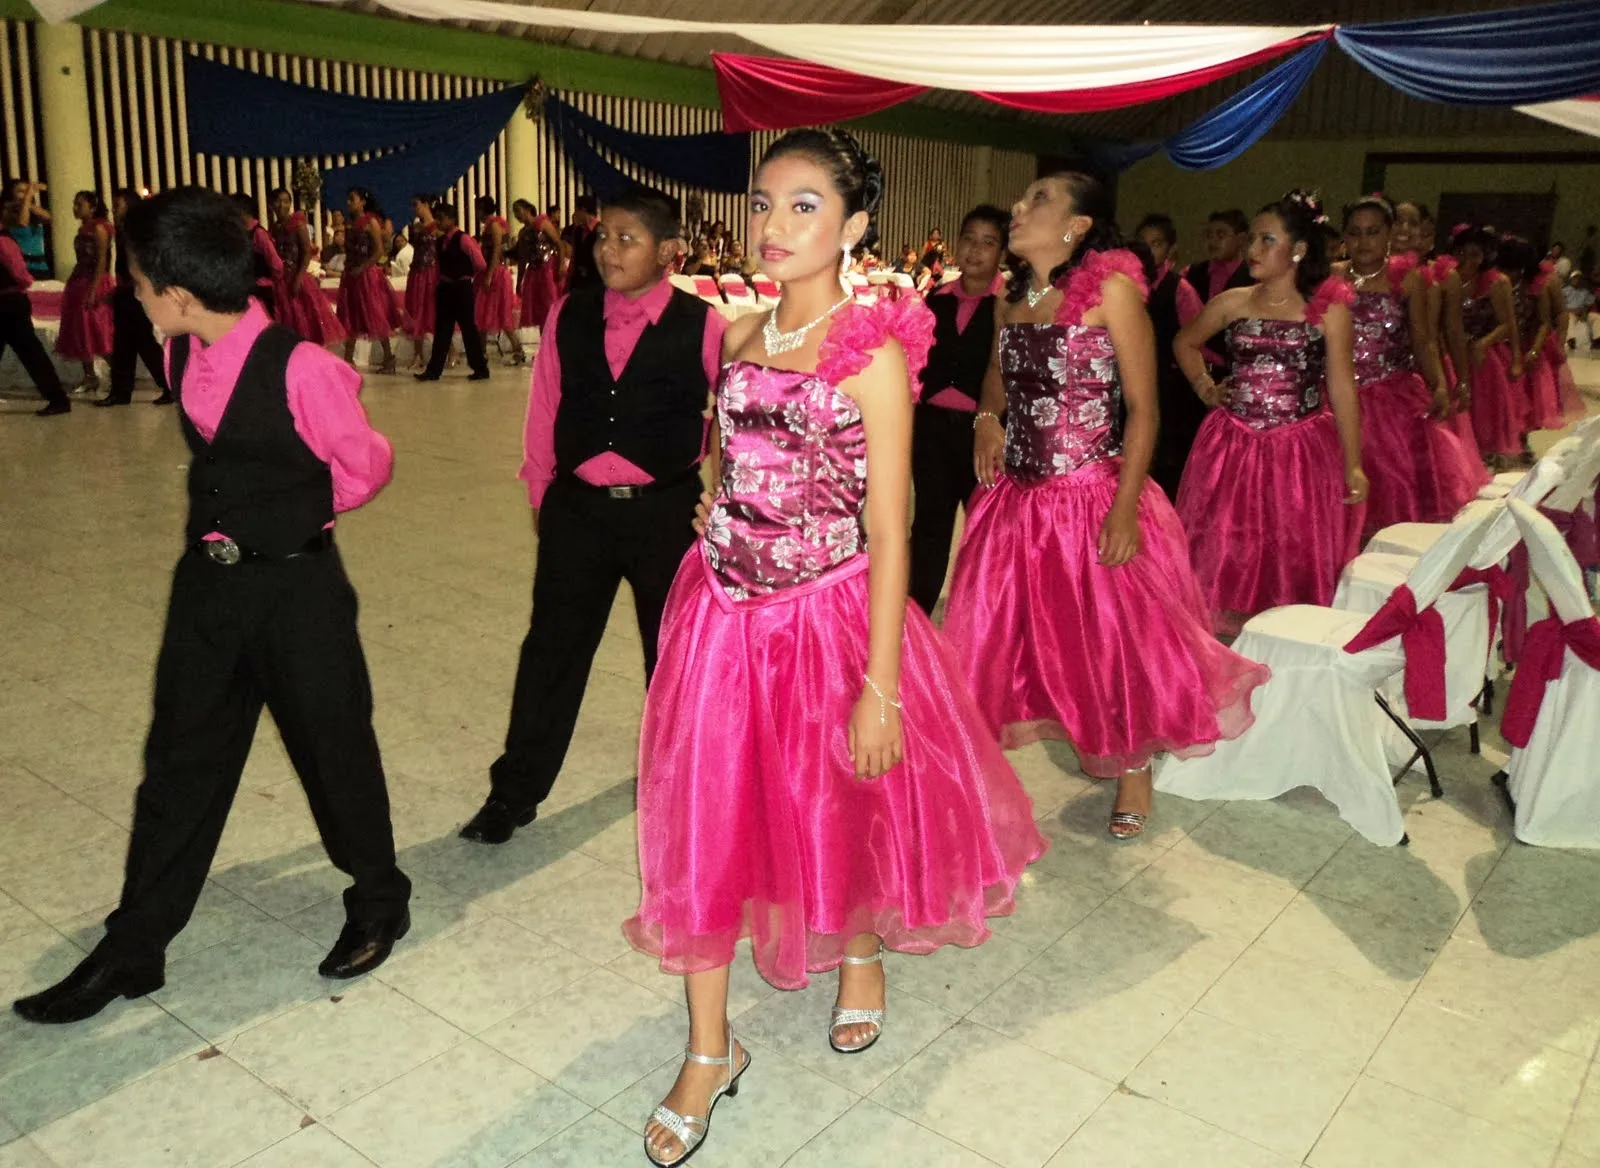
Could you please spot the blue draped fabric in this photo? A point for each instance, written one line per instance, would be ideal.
(717, 161)
(605, 180)
(1518, 56)
(1238, 123)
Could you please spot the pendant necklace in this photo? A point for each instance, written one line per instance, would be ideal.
(784, 342)
(1036, 295)
(1361, 280)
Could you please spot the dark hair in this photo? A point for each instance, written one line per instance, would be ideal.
(448, 210)
(532, 210)
(1484, 237)
(1156, 221)
(657, 210)
(193, 239)
(553, 210)
(588, 205)
(855, 174)
(1373, 202)
(272, 195)
(486, 205)
(1303, 219)
(128, 195)
(96, 203)
(245, 203)
(1517, 258)
(1233, 217)
(369, 201)
(425, 199)
(996, 217)
(1090, 197)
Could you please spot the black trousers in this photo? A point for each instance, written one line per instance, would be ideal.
(279, 634)
(454, 303)
(134, 341)
(942, 479)
(16, 330)
(588, 544)
(1182, 413)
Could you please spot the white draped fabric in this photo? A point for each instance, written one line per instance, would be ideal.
(56, 11)
(1577, 114)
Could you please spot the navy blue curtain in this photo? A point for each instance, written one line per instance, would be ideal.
(717, 161)
(1238, 123)
(1516, 56)
(605, 180)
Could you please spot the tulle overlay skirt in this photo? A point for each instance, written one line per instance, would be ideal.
(1419, 469)
(1500, 408)
(1551, 388)
(751, 821)
(87, 328)
(306, 310)
(537, 295)
(1459, 422)
(1265, 514)
(1119, 661)
(497, 309)
(367, 305)
(421, 284)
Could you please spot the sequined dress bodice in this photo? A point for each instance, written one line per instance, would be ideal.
(1477, 314)
(424, 248)
(1278, 369)
(1381, 320)
(286, 238)
(794, 480)
(1525, 309)
(357, 245)
(1063, 398)
(84, 251)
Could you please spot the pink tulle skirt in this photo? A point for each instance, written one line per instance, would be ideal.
(306, 310)
(1556, 401)
(1499, 405)
(1419, 470)
(1266, 516)
(497, 309)
(87, 327)
(367, 305)
(421, 308)
(1459, 422)
(1120, 662)
(751, 820)
(537, 295)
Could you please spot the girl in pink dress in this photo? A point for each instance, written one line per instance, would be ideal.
(1073, 609)
(302, 306)
(1484, 320)
(367, 307)
(497, 307)
(1548, 285)
(812, 773)
(1420, 471)
(422, 278)
(1271, 496)
(538, 251)
(87, 328)
(1548, 407)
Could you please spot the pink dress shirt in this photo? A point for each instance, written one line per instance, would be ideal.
(470, 246)
(323, 400)
(11, 258)
(950, 398)
(625, 324)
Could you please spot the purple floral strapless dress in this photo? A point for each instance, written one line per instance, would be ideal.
(1420, 471)
(751, 820)
(1263, 492)
(1118, 661)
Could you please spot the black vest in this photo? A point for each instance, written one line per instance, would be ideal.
(256, 482)
(454, 262)
(653, 415)
(959, 359)
(1163, 308)
(1199, 277)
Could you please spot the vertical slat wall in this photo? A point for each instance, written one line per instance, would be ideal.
(21, 138)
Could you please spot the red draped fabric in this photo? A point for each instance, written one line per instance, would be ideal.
(1421, 639)
(1543, 657)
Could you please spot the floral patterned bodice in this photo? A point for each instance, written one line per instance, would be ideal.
(1381, 321)
(85, 251)
(424, 245)
(1280, 366)
(358, 242)
(1477, 308)
(1063, 398)
(1525, 310)
(794, 456)
(286, 238)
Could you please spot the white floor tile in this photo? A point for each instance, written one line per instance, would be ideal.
(1383, 1126)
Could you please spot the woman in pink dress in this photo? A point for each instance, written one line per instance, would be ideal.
(367, 308)
(497, 308)
(812, 773)
(1420, 471)
(303, 307)
(538, 251)
(1558, 319)
(422, 278)
(1483, 322)
(1271, 496)
(1073, 609)
(87, 328)
(1548, 407)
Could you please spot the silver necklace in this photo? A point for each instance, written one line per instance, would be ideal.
(780, 342)
(1036, 295)
(1362, 280)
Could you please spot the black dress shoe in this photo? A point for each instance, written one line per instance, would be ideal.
(426, 376)
(362, 947)
(56, 407)
(496, 821)
(484, 376)
(114, 401)
(87, 990)
(166, 398)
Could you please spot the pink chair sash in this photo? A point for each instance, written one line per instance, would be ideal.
(1421, 639)
(1542, 658)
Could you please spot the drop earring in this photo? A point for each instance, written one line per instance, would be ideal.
(844, 264)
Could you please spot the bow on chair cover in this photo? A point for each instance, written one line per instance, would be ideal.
(1421, 638)
(1543, 654)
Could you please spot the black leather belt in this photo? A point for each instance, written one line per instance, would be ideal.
(655, 488)
(228, 553)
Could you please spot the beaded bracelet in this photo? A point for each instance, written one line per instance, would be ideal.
(981, 414)
(884, 701)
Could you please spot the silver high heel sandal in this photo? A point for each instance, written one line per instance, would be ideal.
(691, 1130)
(845, 1016)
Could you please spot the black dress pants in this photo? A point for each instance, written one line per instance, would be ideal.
(588, 544)
(16, 330)
(942, 479)
(455, 306)
(1182, 413)
(280, 634)
(134, 341)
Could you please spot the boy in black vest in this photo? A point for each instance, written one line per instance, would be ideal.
(1227, 236)
(261, 612)
(612, 448)
(16, 329)
(460, 264)
(1173, 303)
(941, 440)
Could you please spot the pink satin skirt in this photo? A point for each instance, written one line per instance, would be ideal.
(87, 327)
(1419, 469)
(497, 309)
(1500, 408)
(751, 820)
(367, 305)
(306, 310)
(421, 309)
(1555, 400)
(537, 296)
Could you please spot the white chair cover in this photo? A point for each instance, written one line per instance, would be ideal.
(1412, 539)
(1555, 779)
(1317, 724)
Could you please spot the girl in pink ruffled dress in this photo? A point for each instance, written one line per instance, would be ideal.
(422, 279)
(497, 308)
(1073, 609)
(1271, 496)
(301, 304)
(538, 251)
(367, 306)
(813, 775)
(87, 328)
(1484, 321)
(1420, 471)
(1549, 408)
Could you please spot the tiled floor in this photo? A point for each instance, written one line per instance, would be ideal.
(1250, 986)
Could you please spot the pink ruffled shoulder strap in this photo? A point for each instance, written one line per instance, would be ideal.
(1084, 288)
(858, 329)
(1441, 267)
(1400, 267)
(1333, 290)
(1546, 270)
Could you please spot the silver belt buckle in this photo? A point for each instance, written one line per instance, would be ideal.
(223, 551)
(622, 492)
